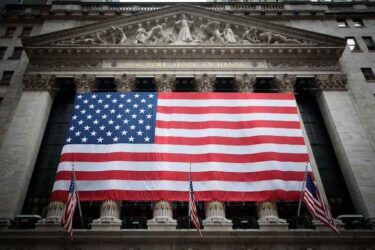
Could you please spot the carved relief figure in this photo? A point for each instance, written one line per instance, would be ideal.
(229, 36)
(250, 35)
(271, 38)
(157, 35)
(211, 30)
(184, 29)
(140, 35)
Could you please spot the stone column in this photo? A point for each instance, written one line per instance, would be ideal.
(245, 82)
(162, 210)
(22, 141)
(285, 83)
(109, 216)
(268, 217)
(350, 141)
(125, 83)
(214, 210)
(205, 83)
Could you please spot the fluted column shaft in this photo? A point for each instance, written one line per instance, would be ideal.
(163, 210)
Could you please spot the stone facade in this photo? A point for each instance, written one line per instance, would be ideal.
(87, 41)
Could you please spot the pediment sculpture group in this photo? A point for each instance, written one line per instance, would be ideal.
(184, 31)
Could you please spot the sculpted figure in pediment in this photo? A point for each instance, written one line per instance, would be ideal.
(229, 36)
(184, 29)
(272, 38)
(250, 35)
(157, 35)
(140, 35)
(212, 32)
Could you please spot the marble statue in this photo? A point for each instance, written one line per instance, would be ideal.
(157, 35)
(272, 38)
(184, 29)
(250, 35)
(140, 35)
(211, 30)
(228, 34)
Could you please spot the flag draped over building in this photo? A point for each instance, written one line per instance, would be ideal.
(193, 213)
(136, 146)
(315, 204)
(70, 206)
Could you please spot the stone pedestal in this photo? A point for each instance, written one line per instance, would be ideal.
(215, 217)
(54, 216)
(109, 216)
(269, 219)
(320, 226)
(162, 217)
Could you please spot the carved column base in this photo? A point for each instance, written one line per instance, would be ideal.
(216, 221)
(269, 219)
(109, 217)
(162, 219)
(320, 226)
(53, 219)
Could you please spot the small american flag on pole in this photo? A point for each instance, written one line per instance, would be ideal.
(316, 205)
(70, 206)
(193, 213)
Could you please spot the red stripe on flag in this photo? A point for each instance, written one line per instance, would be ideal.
(146, 157)
(217, 140)
(205, 96)
(182, 176)
(226, 110)
(228, 125)
(180, 196)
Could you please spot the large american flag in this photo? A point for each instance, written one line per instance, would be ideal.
(316, 205)
(138, 146)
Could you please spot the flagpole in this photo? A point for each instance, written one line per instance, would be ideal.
(303, 187)
(78, 201)
(189, 197)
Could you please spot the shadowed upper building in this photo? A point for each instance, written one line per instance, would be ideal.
(319, 51)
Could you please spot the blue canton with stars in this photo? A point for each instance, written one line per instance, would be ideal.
(107, 118)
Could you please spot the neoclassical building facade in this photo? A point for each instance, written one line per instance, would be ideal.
(270, 48)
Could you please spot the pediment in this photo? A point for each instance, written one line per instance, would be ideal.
(184, 25)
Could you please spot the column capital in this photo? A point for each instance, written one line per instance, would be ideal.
(245, 82)
(124, 83)
(269, 218)
(162, 217)
(38, 82)
(331, 82)
(165, 83)
(55, 212)
(109, 216)
(205, 82)
(84, 83)
(215, 217)
(285, 83)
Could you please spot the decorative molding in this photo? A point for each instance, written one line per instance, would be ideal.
(331, 82)
(245, 82)
(84, 83)
(64, 64)
(285, 83)
(165, 83)
(125, 83)
(269, 218)
(205, 83)
(319, 63)
(38, 82)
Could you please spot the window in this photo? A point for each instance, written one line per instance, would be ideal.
(368, 74)
(265, 85)
(17, 52)
(369, 42)
(104, 84)
(352, 43)
(26, 31)
(341, 23)
(2, 52)
(10, 31)
(7, 76)
(358, 23)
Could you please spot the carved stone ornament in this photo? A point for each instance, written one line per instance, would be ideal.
(38, 82)
(215, 217)
(245, 82)
(165, 83)
(162, 217)
(331, 82)
(205, 83)
(323, 64)
(182, 30)
(109, 213)
(268, 216)
(55, 212)
(285, 83)
(125, 83)
(84, 83)
(65, 64)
